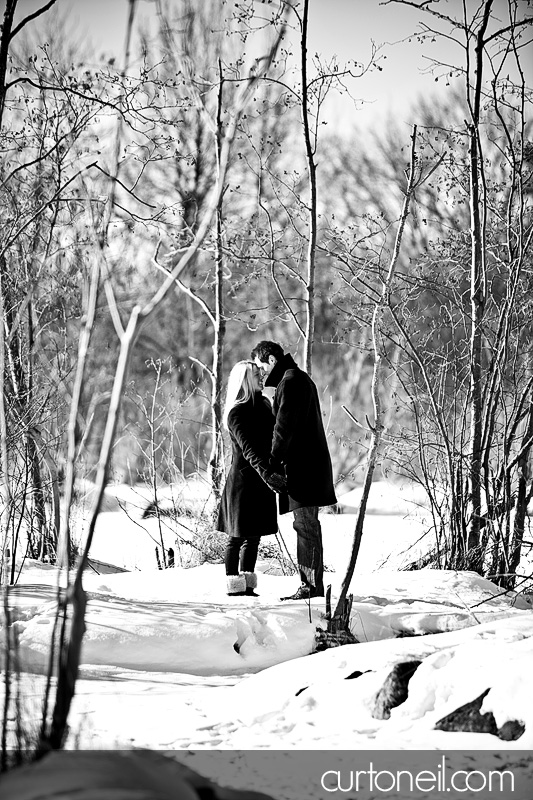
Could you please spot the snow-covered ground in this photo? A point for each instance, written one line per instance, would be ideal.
(170, 662)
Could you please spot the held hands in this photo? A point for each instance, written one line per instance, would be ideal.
(277, 482)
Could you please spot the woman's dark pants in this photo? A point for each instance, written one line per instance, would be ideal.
(241, 554)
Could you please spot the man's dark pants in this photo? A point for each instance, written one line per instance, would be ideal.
(309, 552)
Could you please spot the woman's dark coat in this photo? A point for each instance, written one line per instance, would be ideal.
(248, 506)
(299, 446)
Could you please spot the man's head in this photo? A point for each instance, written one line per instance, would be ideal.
(266, 355)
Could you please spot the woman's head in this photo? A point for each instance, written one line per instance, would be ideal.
(244, 380)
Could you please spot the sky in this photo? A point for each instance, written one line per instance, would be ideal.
(345, 28)
(171, 663)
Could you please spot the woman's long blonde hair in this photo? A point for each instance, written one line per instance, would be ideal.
(240, 387)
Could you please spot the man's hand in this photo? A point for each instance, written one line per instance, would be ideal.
(277, 482)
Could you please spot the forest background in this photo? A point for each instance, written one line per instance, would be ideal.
(165, 208)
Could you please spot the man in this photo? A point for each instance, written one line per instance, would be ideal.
(300, 451)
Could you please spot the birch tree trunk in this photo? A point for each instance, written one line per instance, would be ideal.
(216, 462)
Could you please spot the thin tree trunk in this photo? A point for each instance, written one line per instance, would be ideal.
(71, 649)
(312, 209)
(5, 488)
(35, 449)
(217, 453)
(53, 737)
(476, 356)
(71, 646)
(477, 301)
(377, 388)
(11, 389)
(5, 41)
(522, 500)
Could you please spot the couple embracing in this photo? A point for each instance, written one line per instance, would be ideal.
(278, 447)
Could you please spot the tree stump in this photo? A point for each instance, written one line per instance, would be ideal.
(338, 631)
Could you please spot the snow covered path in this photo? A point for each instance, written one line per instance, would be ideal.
(169, 661)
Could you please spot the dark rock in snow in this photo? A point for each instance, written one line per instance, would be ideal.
(395, 689)
(356, 674)
(469, 718)
(159, 509)
(351, 676)
(511, 730)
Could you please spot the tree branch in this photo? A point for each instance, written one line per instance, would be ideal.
(185, 289)
(30, 17)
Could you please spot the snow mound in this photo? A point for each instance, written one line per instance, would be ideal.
(388, 498)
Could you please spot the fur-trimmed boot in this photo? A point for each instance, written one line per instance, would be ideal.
(251, 583)
(236, 585)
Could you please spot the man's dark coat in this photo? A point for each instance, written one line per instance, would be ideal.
(248, 505)
(299, 446)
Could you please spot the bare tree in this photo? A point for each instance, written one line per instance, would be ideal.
(37, 173)
(381, 307)
(74, 599)
(193, 44)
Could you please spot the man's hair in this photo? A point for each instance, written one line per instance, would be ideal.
(265, 349)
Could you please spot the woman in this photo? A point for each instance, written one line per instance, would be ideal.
(248, 505)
